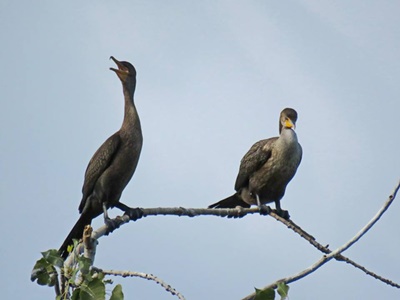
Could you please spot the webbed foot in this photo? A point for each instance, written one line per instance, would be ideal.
(134, 213)
(112, 224)
(264, 210)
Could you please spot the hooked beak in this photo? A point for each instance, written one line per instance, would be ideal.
(289, 124)
(122, 71)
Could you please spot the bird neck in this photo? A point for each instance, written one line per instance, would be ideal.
(131, 118)
(288, 136)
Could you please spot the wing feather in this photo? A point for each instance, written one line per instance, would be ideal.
(253, 160)
(100, 161)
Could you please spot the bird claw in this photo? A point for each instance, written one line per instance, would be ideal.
(112, 224)
(134, 213)
(264, 210)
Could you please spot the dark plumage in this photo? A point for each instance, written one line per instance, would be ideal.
(267, 168)
(113, 164)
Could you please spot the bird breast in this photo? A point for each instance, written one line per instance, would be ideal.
(272, 178)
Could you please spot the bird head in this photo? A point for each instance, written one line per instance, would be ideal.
(287, 119)
(125, 72)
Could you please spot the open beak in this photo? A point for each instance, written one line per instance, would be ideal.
(289, 124)
(122, 71)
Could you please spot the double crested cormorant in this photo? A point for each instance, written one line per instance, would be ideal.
(113, 164)
(267, 168)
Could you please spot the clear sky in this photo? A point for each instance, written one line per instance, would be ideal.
(213, 77)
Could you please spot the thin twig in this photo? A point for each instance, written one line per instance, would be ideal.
(336, 252)
(124, 274)
(62, 284)
(370, 273)
(291, 225)
(57, 285)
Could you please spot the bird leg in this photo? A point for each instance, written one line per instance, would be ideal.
(258, 200)
(280, 212)
(106, 217)
(111, 224)
(264, 209)
(133, 213)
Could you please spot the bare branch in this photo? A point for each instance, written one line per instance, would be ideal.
(296, 228)
(291, 225)
(366, 271)
(238, 212)
(336, 252)
(241, 212)
(124, 274)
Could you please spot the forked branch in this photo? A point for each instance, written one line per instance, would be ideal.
(336, 252)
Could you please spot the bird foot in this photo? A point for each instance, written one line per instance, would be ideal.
(282, 213)
(112, 224)
(264, 210)
(134, 213)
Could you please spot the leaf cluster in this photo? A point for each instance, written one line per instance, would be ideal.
(269, 294)
(80, 279)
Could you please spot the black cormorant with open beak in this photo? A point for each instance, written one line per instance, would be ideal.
(113, 164)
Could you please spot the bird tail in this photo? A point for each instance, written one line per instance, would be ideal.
(75, 233)
(230, 202)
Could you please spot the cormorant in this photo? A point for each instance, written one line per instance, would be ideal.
(267, 168)
(112, 165)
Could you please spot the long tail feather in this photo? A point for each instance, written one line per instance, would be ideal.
(75, 233)
(230, 202)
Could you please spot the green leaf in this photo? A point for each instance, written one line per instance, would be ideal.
(75, 294)
(84, 264)
(117, 293)
(39, 268)
(43, 272)
(71, 274)
(70, 248)
(100, 275)
(283, 290)
(268, 294)
(93, 290)
(53, 257)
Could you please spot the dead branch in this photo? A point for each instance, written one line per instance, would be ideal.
(336, 252)
(124, 274)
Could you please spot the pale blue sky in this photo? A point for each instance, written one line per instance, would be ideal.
(213, 77)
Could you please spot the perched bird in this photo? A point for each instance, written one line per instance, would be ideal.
(267, 168)
(112, 166)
